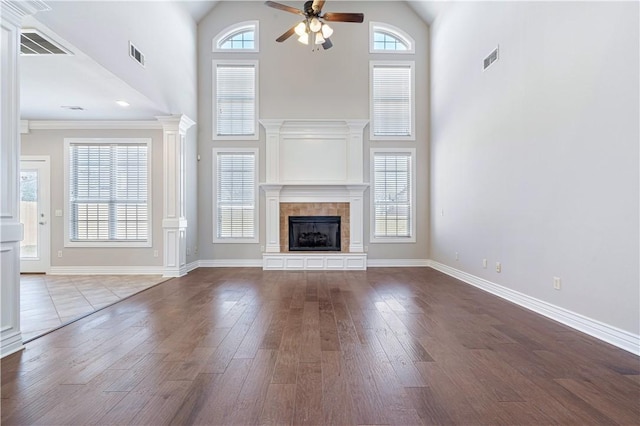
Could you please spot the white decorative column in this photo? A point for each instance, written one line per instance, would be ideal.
(11, 230)
(356, 217)
(272, 144)
(174, 221)
(272, 217)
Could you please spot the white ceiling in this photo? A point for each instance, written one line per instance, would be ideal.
(48, 83)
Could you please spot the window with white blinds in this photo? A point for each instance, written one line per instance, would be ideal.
(108, 185)
(235, 195)
(392, 100)
(393, 182)
(236, 103)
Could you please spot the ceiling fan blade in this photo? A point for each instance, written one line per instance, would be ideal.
(284, 7)
(287, 34)
(327, 44)
(343, 17)
(317, 5)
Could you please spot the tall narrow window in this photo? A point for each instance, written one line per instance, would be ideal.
(235, 96)
(108, 188)
(236, 195)
(392, 100)
(393, 195)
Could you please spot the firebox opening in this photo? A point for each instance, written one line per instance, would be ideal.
(314, 233)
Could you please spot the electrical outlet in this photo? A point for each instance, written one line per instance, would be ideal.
(484, 263)
(156, 253)
(557, 283)
(457, 256)
(188, 251)
(498, 267)
(59, 253)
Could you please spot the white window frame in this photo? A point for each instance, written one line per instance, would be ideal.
(232, 30)
(256, 237)
(372, 237)
(412, 135)
(396, 32)
(93, 243)
(214, 73)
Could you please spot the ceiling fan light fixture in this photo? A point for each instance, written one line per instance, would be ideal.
(319, 38)
(301, 29)
(315, 25)
(304, 39)
(326, 31)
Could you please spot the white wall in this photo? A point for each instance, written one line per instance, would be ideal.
(535, 161)
(298, 83)
(51, 143)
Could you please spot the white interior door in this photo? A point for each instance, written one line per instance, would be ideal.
(35, 214)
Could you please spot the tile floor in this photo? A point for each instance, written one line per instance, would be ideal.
(49, 301)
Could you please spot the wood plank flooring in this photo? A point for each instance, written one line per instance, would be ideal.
(242, 346)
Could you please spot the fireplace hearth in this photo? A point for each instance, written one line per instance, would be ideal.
(314, 233)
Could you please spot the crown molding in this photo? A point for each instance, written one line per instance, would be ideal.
(94, 125)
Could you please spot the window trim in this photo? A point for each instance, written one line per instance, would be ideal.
(67, 177)
(412, 135)
(393, 31)
(231, 30)
(372, 237)
(214, 115)
(214, 201)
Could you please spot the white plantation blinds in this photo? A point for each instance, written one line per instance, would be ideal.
(392, 194)
(391, 98)
(108, 192)
(235, 99)
(236, 195)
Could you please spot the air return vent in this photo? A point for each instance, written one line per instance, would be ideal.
(136, 54)
(33, 42)
(493, 56)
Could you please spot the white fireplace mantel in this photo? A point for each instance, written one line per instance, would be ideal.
(314, 161)
(314, 151)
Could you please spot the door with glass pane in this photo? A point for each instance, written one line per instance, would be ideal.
(34, 214)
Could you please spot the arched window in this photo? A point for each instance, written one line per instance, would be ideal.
(240, 37)
(385, 38)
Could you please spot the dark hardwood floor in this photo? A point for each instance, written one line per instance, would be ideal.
(387, 346)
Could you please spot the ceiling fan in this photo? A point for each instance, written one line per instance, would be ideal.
(313, 27)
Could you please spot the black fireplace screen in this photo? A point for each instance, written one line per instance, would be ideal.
(314, 233)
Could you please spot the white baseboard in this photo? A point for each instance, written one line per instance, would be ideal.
(231, 263)
(11, 343)
(106, 270)
(397, 263)
(622, 339)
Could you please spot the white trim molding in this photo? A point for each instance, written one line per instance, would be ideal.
(622, 339)
(397, 263)
(89, 125)
(230, 263)
(106, 270)
(315, 261)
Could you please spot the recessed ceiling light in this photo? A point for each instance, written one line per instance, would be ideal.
(123, 104)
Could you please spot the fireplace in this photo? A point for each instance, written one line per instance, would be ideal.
(314, 233)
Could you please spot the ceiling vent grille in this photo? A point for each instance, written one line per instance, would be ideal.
(493, 56)
(33, 42)
(137, 55)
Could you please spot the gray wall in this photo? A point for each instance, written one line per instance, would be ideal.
(535, 161)
(298, 83)
(51, 143)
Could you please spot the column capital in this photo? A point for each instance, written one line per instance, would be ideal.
(178, 122)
